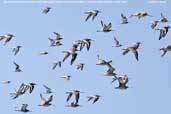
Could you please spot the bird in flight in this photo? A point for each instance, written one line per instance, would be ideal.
(165, 50)
(154, 24)
(45, 102)
(105, 27)
(17, 67)
(116, 43)
(163, 19)
(132, 49)
(140, 14)
(163, 31)
(6, 82)
(55, 64)
(95, 98)
(46, 10)
(124, 19)
(92, 14)
(80, 66)
(76, 93)
(48, 90)
(67, 77)
(24, 108)
(123, 80)
(7, 37)
(16, 49)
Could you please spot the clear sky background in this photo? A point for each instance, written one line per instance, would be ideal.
(149, 91)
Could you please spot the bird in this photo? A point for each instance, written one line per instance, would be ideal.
(45, 102)
(116, 43)
(46, 10)
(76, 93)
(105, 28)
(17, 67)
(163, 31)
(54, 42)
(72, 52)
(92, 14)
(140, 14)
(18, 92)
(154, 24)
(58, 36)
(30, 86)
(6, 82)
(102, 61)
(163, 19)
(16, 49)
(80, 66)
(44, 53)
(123, 80)
(132, 49)
(73, 105)
(56, 63)
(7, 37)
(85, 42)
(124, 19)
(24, 108)
(110, 72)
(48, 90)
(165, 50)
(67, 77)
(95, 98)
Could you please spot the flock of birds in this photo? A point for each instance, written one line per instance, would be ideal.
(78, 46)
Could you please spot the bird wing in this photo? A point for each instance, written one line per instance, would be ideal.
(77, 96)
(50, 99)
(125, 51)
(46, 87)
(74, 56)
(42, 98)
(66, 56)
(136, 54)
(89, 98)
(54, 66)
(89, 15)
(69, 96)
(96, 99)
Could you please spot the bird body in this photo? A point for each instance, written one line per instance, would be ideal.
(92, 14)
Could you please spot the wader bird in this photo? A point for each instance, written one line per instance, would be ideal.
(44, 53)
(16, 49)
(163, 19)
(165, 50)
(7, 37)
(116, 43)
(45, 102)
(95, 98)
(102, 61)
(80, 66)
(71, 52)
(73, 105)
(105, 28)
(76, 93)
(154, 24)
(123, 80)
(140, 14)
(163, 31)
(92, 14)
(124, 19)
(48, 90)
(56, 41)
(17, 67)
(85, 42)
(46, 10)
(55, 64)
(67, 77)
(24, 108)
(30, 87)
(6, 82)
(132, 49)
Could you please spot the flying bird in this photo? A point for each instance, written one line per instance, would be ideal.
(44, 53)
(18, 92)
(85, 42)
(101, 61)
(17, 67)
(80, 66)
(76, 93)
(56, 63)
(45, 102)
(95, 98)
(48, 90)
(163, 19)
(123, 80)
(67, 77)
(163, 31)
(16, 49)
(165, 50)
(105, 27)
(24, 108)
(116, 43)
(6, 82)
(124, 19)
(154, 24)
(30, 86)
(132, 49)
(7, 37)
(92, 14)
(140, 14)
(46, 10)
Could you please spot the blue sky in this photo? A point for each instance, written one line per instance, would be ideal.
(149, 90)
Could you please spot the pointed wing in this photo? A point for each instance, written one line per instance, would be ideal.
(74, 56)
(46, 87)
(96, 99)
(69, 96)
(136, 54)
(54, 66)
(77, 96)
(125, 51)
(66, 56)
(89, 15)
(90, 98)
(50, 99)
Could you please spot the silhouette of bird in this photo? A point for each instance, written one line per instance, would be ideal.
(45, 102)
(95, 98)
(44, 53)
(124, 19)
(7, 37)
(17, 67)
(5, 82)
(116, 43)
(46, 10)
(76, 93)
(16, 49)
(85, 42)
(92, 14)
(154, 24)
(122, 82)
(56, 63)
(132, 49)
(140, 14)
(67, 77)
(48, 90)
(80, 66)
(71, 52)
(105, 28)
(163, 31)
(24, 108)
(101, 61)
(165, 50)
